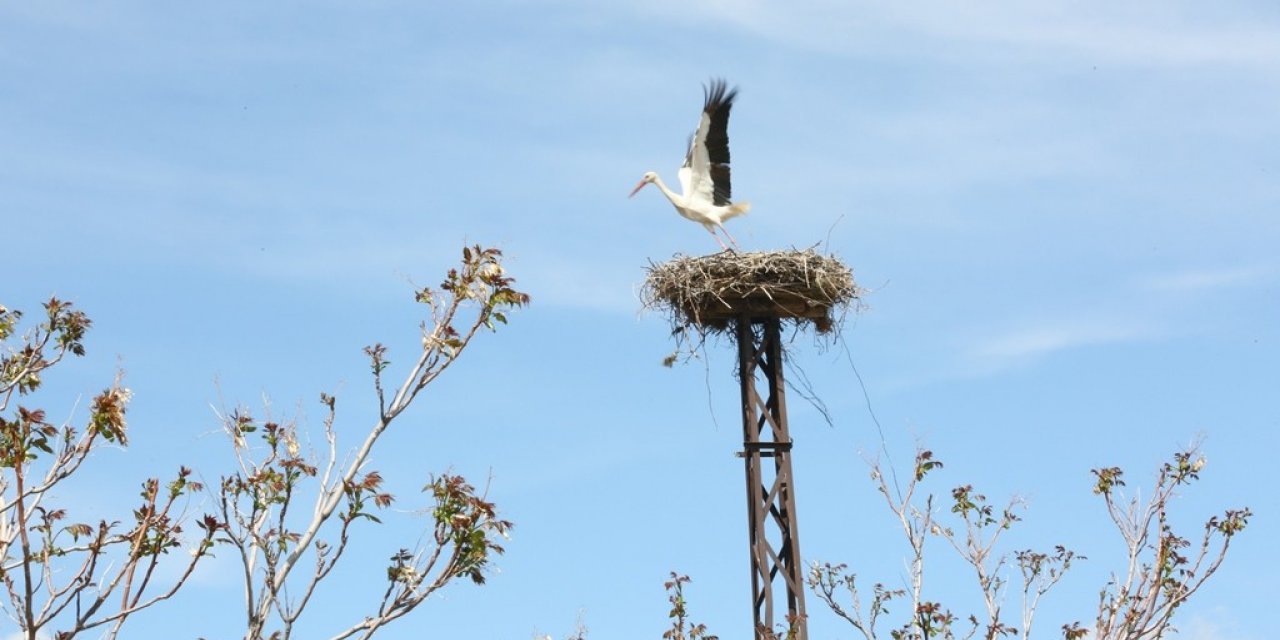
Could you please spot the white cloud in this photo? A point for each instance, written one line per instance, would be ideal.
(1218, 625)
(1144, 315)
(1204, 279)
(1021, 346)
(18, 635)
(1201, 629)
(1134, 33)
(581, 284)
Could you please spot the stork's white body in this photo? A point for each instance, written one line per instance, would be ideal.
(704, 211)
(704, 178)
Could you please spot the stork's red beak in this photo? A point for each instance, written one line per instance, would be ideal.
(638, 188)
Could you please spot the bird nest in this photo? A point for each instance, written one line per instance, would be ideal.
(710, 292)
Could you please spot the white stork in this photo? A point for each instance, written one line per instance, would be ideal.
(704, 177)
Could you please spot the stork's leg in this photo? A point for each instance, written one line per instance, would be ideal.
(712, 230)
(727, 235)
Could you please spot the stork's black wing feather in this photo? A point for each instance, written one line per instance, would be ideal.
(718, 100)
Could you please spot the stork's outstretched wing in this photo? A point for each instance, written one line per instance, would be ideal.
(705, 174)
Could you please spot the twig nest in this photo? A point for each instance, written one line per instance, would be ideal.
(711, 291)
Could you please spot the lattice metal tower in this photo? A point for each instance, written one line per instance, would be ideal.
(776, 569)
(750, 296)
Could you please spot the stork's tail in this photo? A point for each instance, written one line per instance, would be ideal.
(736, 209)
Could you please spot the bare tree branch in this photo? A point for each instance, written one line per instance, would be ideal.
(35, 459)
(474, 296)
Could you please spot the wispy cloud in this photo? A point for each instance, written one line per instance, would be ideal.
(1220, 625)
(1199, 280)
(581, 285)
(1024, 345)
(1142, 313)
(19, 635)
(1143, 34)
(1127, 34)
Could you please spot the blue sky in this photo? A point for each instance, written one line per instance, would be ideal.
(1065, 215)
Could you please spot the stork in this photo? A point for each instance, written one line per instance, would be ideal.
(704, 177)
